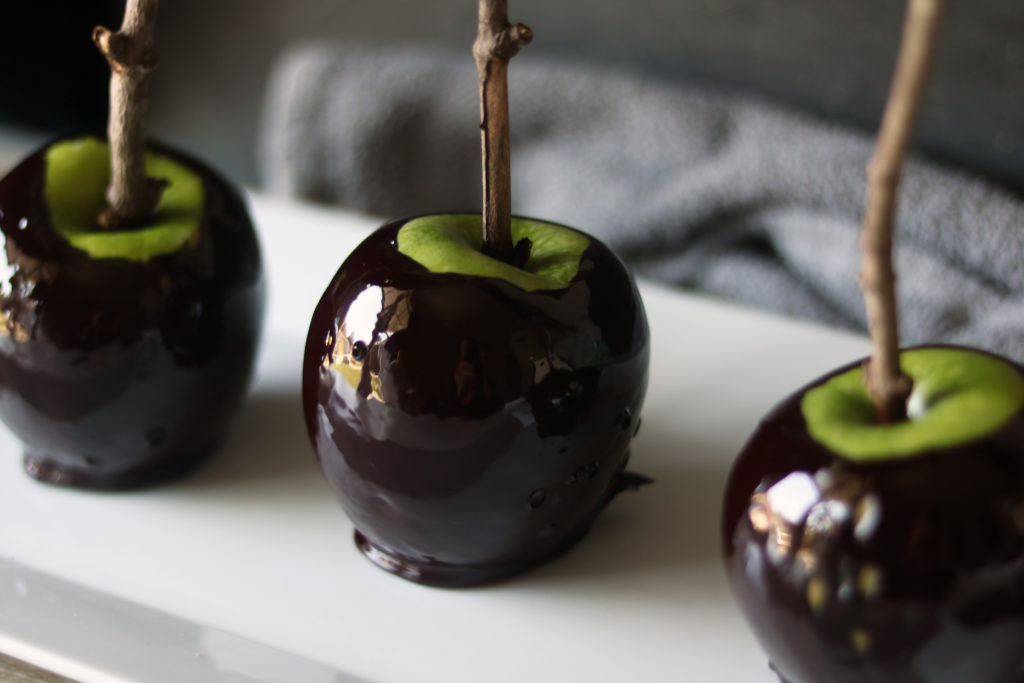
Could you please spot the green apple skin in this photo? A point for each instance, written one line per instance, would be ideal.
(75, 184)
(453, 243)
(472, 428)
(119, 371)
(861, 566)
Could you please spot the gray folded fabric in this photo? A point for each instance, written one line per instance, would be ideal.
(710, 191)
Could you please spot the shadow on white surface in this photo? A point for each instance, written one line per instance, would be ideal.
(667, 528)
(267, 452)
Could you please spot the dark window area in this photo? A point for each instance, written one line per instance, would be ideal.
(51, 75)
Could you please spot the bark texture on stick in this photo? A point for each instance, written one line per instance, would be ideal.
(131, 196)
(496, 43)
(885, 381)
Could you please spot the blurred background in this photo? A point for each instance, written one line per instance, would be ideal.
(828, 59)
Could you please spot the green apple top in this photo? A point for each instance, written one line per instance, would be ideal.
(959, 395)
(77, 175)
(452, 243)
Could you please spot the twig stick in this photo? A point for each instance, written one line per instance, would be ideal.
(884, 379)
(496, 43)
(131, 196)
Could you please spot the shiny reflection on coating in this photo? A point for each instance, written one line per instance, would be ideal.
(116, 373)
(905, 572)
(469, 428)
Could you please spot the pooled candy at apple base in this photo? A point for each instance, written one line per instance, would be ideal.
(861, 551)
(123, 354)
(473, 416)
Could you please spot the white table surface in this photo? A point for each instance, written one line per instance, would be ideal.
(253, 549)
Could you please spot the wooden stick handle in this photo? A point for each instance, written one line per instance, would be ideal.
(885, 381)
(496, 43)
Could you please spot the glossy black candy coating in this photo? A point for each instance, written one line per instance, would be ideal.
(480, 427)
(117, 374)
(902, 571)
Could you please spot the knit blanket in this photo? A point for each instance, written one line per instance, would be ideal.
(710, 191)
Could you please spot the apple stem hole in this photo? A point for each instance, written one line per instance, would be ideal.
(521, 253)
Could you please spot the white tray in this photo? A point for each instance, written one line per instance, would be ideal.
(247, 571)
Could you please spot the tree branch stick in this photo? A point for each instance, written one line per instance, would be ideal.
(131, 196)
(496, 43)
(885, 381)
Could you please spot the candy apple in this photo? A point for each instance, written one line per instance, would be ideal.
(123, 352)
(874, 523)
(863, 551)
(473, 416)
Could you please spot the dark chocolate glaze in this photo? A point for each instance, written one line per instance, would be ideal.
(117, 374)
(908, 571)
(470, 429)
